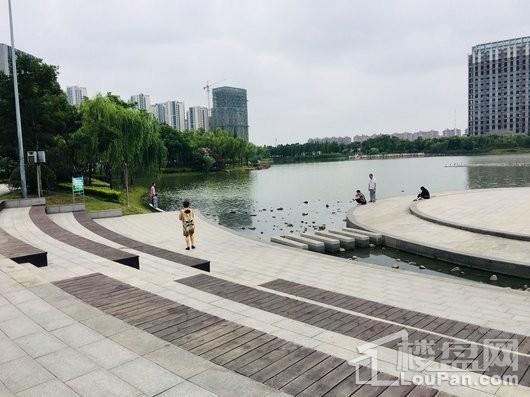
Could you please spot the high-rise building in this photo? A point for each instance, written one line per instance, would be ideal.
(198, 118)
(142, 101)
(498, 97)
(229, 110)
(158, 112)
(75, 95)
(452, 132)
(5, 58)
(171, 112)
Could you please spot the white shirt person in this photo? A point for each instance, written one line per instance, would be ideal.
(372, 185)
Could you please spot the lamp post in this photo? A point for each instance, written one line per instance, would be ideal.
(17, 108)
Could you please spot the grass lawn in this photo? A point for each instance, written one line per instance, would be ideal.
(137, 199)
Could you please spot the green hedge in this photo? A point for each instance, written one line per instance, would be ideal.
(103, 192)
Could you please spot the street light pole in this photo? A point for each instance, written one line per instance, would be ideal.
(17, 108)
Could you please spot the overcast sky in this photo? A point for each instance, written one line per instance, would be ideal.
(311, 68)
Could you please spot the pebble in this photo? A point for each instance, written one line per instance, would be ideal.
(398, 260)
(354, 257)
(413, 263)
(395, 266)
(455, 269)
(422, 267)
(493, 277)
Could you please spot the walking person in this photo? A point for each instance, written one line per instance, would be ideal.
(153, 195)
(372, 187)
(187, 217)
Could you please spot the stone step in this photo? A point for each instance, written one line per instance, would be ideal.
(330, 244)
(347, 243)
(289, 243)
(375, 238)
(361, 241)
(312, 245)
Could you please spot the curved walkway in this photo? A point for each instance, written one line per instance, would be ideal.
(497, 212)
(404, 231)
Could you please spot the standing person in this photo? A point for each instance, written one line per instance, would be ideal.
(153, 195)
(371, 187)
(188, 223)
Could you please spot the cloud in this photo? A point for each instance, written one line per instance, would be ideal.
(311, 67)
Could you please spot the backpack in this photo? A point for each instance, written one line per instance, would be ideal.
(187, 217)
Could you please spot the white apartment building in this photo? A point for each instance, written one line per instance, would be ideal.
(198, 118)
(75, 95)
(142, 101)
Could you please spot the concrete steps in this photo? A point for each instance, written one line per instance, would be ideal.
(375, 238)
(345, 242)
(330, 244)
(361, 241)
(289, 243)
(312, 245)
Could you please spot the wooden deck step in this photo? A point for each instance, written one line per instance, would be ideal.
(43, 222)
(84, 219)
(276, 362)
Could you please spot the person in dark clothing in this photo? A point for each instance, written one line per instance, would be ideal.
(359, 198)
(424, 194)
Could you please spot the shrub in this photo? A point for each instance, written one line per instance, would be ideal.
(97, 191)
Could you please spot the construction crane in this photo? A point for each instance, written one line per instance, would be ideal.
(208, 88)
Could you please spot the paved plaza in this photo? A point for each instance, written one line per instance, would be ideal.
(86, 325)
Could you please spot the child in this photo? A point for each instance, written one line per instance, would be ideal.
(188, 223)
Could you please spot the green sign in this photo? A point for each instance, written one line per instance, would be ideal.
(77, 185)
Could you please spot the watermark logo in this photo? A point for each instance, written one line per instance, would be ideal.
(457, 362)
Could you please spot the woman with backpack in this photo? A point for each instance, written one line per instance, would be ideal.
(188, 224)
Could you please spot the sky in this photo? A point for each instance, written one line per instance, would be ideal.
(312, 68)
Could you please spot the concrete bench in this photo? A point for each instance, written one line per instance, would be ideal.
(361, 241)
(347, 243)
(375, 238)
(312, 245)
(86, 220)
(330, 244)
(289, 243)
(43, 222)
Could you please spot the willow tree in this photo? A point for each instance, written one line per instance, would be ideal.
(113, 137)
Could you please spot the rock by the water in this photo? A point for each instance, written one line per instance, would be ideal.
(493, 277)
(395, 266)
(398, 260)
(354, 257)
(252, 228)
(413, 263)
(422, 267)
(455, 269)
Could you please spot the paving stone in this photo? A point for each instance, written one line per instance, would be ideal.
(106, 325)
(19, 326)
(23, 373)
(9, 350)
(80, 311)
(187, 389)
(77, 335)
(138, 341)
(179, 361)
(67, 364)
(108, 353)
(146, 376)
(102, 383)
(227, 383)
(40, 344)
(53, 388)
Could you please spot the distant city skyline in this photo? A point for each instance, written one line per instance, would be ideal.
(362, 66)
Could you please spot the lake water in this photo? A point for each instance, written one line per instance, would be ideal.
(263, 203)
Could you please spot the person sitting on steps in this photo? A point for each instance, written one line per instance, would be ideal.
(423, 194)
(359, 198)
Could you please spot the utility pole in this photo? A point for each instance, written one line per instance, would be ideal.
(17, 108)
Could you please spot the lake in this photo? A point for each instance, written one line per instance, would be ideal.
(262, 203)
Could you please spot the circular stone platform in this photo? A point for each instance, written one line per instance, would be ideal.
(497, 212)
(491, 211)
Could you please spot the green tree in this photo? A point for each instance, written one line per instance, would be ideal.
(45, 113)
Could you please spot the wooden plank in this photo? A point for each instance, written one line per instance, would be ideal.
(305, 379)
(239, 351)
(232, 345)
(268, 359)
(329, 381)
(290, 373)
